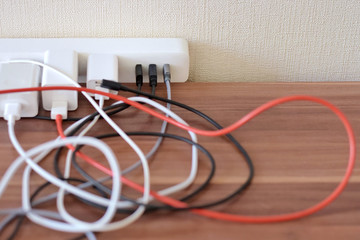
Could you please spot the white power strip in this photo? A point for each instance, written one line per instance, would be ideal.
(130, 51)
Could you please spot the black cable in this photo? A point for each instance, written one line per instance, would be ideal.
(199, 113)
(139, 87)
(21, 218)
(165, 135)
(49, 118)
(120, 87)
(117, 108)
(149, 206)
(82, 236)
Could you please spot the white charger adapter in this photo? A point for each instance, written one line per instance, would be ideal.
(59, 102)
(23, 104)
(99, 67)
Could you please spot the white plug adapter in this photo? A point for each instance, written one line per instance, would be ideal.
(99, 67)
(59, 102)
(23, 104)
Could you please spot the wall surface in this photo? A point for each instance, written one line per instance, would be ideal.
(230, 40)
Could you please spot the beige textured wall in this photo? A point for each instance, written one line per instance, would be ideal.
(230, 40)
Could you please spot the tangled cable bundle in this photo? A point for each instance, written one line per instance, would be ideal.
(111, 200)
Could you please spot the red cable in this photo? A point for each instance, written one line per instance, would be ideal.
(242, 121)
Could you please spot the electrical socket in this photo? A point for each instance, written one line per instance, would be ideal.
(130, 51)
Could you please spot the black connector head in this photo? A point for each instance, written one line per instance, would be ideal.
(152, 75)
(139, 75)
(110, 85)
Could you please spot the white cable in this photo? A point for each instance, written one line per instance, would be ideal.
(146, 173)
(81, 226)
(16, 164)
(49, 145)
(27, 206)
(132, 144)
(194, 161)
(176, 187)
(47, 151)
(62, 226)
(90, 235)
(75, 227)
(192, 175)
(146, 196)
(94, 198)
(58, 143)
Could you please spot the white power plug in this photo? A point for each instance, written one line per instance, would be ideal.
(59, 102)
(99, 67)
(19, 75)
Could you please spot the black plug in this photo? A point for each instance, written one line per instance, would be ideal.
(111, 85)
(139, 75)
(152, 75)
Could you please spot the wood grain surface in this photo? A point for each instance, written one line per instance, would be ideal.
(299, 150)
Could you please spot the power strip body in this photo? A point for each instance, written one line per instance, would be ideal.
(130, 51)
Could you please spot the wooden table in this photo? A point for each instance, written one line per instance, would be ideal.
(299, 150)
